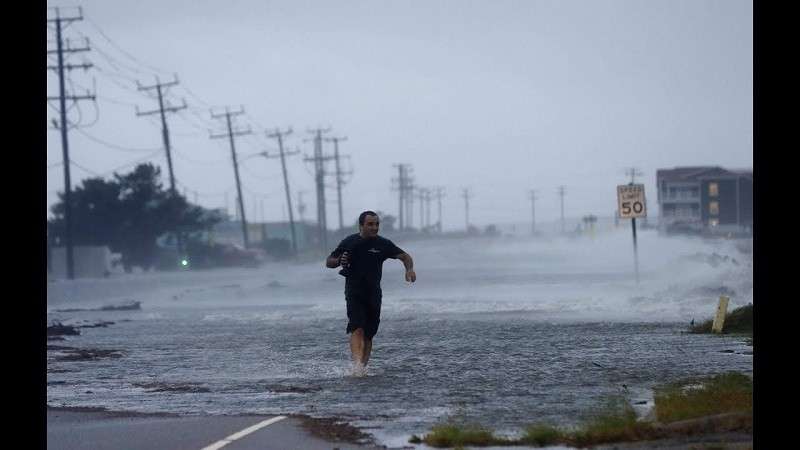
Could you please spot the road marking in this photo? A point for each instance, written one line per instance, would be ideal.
(243, 433)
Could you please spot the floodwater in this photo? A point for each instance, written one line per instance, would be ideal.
(501, 331)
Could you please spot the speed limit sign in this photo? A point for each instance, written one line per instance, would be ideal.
(630, 201)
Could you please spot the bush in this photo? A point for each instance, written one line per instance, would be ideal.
(542, 435)
(728, 392)
(738, 321)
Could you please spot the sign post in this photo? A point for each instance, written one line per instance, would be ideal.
(631, 204)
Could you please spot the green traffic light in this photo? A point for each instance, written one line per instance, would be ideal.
(184, 262)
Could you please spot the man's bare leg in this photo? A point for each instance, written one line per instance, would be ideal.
(367, 351)
(357, 349)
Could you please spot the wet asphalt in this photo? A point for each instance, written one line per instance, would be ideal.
(77, 430)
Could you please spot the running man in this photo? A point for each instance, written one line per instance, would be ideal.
(362, 255)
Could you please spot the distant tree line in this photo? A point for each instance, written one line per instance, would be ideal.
(128, 213)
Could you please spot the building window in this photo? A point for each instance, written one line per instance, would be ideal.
(713, 208)
(713, 190)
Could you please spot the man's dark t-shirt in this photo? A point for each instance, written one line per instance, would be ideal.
(366, 258)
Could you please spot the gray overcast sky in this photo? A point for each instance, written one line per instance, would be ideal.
(497, 96)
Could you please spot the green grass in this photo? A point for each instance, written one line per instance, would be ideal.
(738, 321)
(728, 392)
(542, 435)
(615, 421)
(459, 435)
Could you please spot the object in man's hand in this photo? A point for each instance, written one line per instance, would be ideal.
(345, 272)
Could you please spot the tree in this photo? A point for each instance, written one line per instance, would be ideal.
(95, 213)
(128, 214)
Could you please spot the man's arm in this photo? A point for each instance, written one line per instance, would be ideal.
(409, 264)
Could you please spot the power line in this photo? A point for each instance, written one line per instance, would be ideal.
(99, 30)
(136, 161)
(182, 156)
(255, 175)
(116, 146)
(89, 171)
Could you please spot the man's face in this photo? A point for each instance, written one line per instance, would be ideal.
(370, 227)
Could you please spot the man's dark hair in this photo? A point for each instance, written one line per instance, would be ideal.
(364, 215)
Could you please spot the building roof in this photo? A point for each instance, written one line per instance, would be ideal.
(694, 173)
(744, 172)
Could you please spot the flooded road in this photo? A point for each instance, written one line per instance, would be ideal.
(501, 331)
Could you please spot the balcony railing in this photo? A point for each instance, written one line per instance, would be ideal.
(695, 198)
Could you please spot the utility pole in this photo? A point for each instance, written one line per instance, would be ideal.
(339, 173)
(404, 185)
(165, 134)
(467, 195)
(410, 201)
(633, 172)
(164, 130)
(428, 193)
(261, 210)
(439, 192)
(63, 125)
(401, 188)
(561, 193)
(279, 135)
(319, 175)
(301, 207)
(421, 197)
(533, 211)
(230, 135)
(227, 206)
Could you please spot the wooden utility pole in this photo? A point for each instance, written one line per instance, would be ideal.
(164, 130)
(532, 195)
(405, 189)
(421, 196)
(339, 174)
(279, 135)
(301, 207)
(428, 197)
(319, 178)
(633, 172)
(63, 125)
(439, 192)
(165, 135)
(399, 184)
(410, 201)
(231, 133)
(466, 195)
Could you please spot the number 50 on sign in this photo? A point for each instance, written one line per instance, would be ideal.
(630, 201)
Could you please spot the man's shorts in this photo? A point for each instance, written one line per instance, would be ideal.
(363, 309)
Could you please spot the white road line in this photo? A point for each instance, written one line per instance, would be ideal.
(243, 433)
